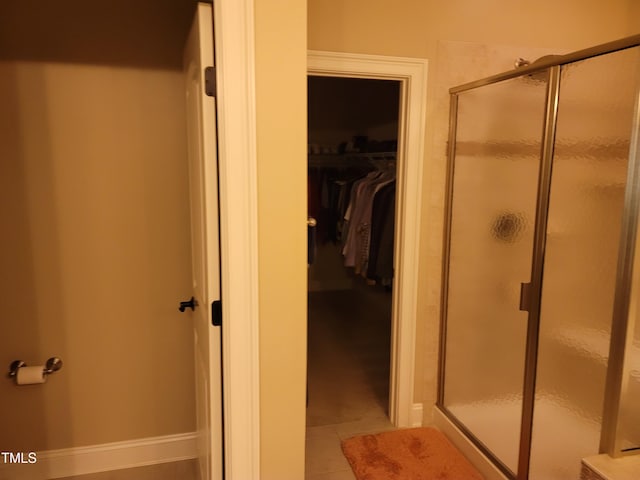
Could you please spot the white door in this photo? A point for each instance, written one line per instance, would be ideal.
(203, 178)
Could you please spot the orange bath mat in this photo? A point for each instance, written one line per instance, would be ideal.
(409, 454)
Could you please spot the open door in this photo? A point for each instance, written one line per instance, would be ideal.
(205, 252)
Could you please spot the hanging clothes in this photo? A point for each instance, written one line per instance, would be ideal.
(352, 217)
(355, 208)
(356, 250)
(380, 267)
(329, 190)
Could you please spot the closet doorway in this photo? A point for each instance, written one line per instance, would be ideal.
(353, 128)
(410, 75)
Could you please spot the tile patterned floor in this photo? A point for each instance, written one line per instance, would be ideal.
(348, 374)
(324, 459)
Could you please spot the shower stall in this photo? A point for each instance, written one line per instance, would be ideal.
(540, 347)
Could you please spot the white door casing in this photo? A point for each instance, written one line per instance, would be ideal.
(412, 75)
(236, 99)
(205, 251)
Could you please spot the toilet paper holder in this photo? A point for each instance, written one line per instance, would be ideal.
(53, 365)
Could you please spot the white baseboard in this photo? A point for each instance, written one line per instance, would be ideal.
(416, 415)
(69, 462)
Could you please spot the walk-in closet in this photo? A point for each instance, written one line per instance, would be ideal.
(353, 138)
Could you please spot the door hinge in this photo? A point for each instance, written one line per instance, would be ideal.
(216, 313)
(210, 81)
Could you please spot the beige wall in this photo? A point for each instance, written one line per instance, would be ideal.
(144, 33)
(93, 247)
(412, 27)
(281, 55)
(485, 38)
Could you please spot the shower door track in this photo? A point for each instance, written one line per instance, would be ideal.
(608, 441)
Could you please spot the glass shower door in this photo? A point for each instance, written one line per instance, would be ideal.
(587, 197)
(493, 208)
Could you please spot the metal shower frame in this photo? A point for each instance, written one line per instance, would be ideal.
(609, 441)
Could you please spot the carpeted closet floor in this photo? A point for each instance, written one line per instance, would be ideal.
(348, 373)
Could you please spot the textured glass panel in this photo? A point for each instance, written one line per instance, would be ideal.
(629, 422)
(586, 202)
(493, 211)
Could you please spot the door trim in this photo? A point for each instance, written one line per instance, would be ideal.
(235, 75)
(412, 74)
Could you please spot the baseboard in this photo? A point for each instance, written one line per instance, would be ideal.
(70, 462)
(416, 415)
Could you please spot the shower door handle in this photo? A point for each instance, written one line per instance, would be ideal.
(525, 297)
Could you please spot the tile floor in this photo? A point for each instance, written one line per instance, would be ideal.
(348, 374)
